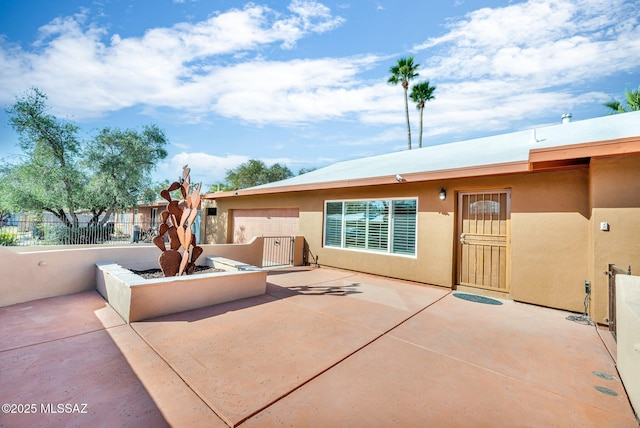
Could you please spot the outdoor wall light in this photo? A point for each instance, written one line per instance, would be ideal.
(443, 194)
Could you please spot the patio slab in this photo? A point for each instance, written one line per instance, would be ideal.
(323, 347)
(41, 321)
(179, 404)
(395, 383)
(86, 370)
(365, 300)
(241, 357)
(525, 342)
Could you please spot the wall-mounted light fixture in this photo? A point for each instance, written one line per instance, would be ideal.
(443, 194)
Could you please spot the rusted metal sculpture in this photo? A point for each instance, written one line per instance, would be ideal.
(180, 257)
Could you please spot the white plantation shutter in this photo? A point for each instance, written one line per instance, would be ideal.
(374, 225)
(404, 227)
(378, 225)
(355, 224)
(333, 225)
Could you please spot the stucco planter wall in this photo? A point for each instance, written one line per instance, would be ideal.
(136, 298)
(628, 334)
(31, 273)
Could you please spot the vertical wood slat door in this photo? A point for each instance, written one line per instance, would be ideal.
(483, 245)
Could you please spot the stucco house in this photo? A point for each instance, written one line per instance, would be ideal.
(139, 221)
(528, 216)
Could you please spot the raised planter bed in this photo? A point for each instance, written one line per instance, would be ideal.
(136, 298)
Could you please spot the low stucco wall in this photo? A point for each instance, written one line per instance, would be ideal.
(136, 299)
(31, 275)
(628, 335)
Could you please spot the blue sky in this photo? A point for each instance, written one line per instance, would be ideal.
(304, 82)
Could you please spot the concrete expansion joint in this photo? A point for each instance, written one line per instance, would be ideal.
(372, 341)
(182, 378)
(84, 333)
(606, 347)
(418, 312)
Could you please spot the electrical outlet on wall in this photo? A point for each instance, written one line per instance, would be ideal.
(604, 226)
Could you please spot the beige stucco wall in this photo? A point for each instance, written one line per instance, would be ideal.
(433, 263)
(37, 274)
(209, 224)
(550, 238)
(550, 232)
(556, 243)
(615, 196)
(137, 299)
(435, 218)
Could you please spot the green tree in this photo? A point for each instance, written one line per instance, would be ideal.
(120, 163)
(254, 173)
(49, 177)
(218, 187)
(61, 175)
(277, 172)
(151, 193)
(422, 93)
(632, 102)
(306, 170)
(404, 71)
(5, 202)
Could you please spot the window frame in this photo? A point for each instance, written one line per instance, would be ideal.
(389, 225)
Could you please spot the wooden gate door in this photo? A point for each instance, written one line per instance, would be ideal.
(483, 247)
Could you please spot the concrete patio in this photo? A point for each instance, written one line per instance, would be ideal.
(323, 348)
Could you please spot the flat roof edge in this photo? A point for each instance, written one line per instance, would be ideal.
(539, 156)
(414, 177)
(616, 147)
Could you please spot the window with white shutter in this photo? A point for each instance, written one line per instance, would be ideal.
(333, 225)
(404, 227)
(380, 225)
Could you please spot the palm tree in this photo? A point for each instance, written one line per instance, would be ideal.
(422, 93)
(402, 72)
(633, 102)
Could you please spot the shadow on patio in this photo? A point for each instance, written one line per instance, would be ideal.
(385, 353)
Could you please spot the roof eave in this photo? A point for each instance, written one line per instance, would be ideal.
(445, 174)
(559, 157)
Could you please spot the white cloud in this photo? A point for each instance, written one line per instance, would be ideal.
(388, 135)
(209, 168)
(86, 76)
(497, 66)
(492, 67)
(293, 91)
(551, 41)
(205, 167)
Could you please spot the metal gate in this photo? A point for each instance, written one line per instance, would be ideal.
(278, 251)
(612, 272)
